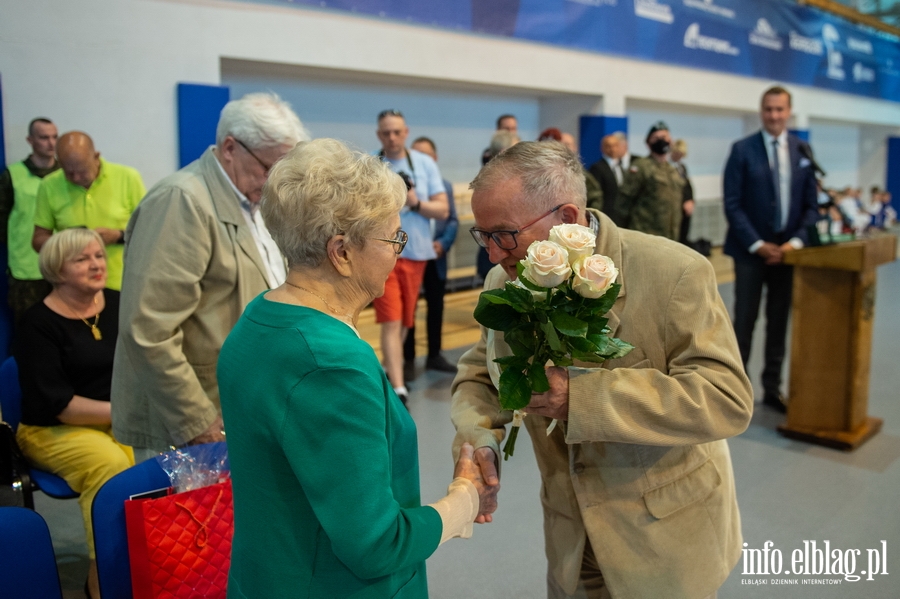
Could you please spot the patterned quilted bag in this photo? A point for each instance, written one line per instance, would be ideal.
(180, 544)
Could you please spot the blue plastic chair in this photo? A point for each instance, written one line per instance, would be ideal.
(27, 562)
(108, 518)
(11, 407)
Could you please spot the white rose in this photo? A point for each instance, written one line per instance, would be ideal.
(579, 241)
(594, 276)
(546, 264)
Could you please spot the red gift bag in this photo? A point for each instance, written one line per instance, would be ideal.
(180, 545)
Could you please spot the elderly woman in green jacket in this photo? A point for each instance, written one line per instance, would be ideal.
(323, 454)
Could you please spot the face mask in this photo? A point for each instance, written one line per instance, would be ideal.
(660, 146)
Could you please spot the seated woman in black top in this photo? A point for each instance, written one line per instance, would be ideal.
(65, 350)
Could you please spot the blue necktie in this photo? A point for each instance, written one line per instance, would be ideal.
(776, 176)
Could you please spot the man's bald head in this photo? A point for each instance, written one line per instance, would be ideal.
(79, 160)
(609, 145)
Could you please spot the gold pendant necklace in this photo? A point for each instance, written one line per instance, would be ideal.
(343, 316)
(95, 330)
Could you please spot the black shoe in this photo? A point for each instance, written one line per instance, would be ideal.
(409, 371)
(404, 398)
(439, 363)
(775, 401)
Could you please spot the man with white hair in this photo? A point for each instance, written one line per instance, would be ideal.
(197, 251)
(637, 486)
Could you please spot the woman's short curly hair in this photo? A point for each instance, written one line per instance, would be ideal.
(321, 188)
(62, 247)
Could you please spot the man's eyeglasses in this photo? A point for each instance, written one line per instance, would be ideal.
(399, 241)
(506, 240)
(390, 112)
(266, 167)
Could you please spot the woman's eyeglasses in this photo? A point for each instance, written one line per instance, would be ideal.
(399, 241)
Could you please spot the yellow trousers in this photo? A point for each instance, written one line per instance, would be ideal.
(85, 456)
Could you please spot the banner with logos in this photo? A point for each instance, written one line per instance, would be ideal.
(769, 39)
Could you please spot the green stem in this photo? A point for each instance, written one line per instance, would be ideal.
(510, 446)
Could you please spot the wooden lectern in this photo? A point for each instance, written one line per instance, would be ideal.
(831, 339)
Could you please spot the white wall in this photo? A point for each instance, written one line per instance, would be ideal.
(110, 67)
(836, 147)
(460, 122)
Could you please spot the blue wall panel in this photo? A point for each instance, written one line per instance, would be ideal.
(893, 171)
(2, 135)
(593, 128)
(198, 114)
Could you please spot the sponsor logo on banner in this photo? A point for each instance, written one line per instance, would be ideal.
(888, 68)
(765, 36)
(710, 6)
(653, 10)
(809, 45)
(862, 73)
(858, 45)
(831, 37)
(694, 40)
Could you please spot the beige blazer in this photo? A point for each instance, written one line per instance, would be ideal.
(641, 468)
(191, 266)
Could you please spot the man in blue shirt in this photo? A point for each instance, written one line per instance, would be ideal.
(426, 198)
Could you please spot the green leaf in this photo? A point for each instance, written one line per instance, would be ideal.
(596, 325)
(496, 316)
(537, 376)
(588, 357)
(569, 325)
(552, 337)
(601, 342)
(515, 391)
(621, 348)
(513, 362)
(605, 302)
(521, 339)
(520, 299)
(495, 296)
(562, 360)
(582, 344)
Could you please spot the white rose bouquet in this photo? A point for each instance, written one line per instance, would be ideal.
(554, 312)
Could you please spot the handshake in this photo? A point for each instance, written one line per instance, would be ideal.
(480, 467)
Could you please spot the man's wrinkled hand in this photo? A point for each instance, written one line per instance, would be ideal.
(555, 402)
(466, 467)
(212, 434)
(480, 466)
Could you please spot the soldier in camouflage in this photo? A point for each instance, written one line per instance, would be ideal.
(650, 197)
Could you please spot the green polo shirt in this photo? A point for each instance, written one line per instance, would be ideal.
(25, 179)
(109, 202)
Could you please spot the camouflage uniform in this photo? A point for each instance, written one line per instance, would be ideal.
(650, 198)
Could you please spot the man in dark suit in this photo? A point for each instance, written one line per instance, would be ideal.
(770, 199)
(608, 173)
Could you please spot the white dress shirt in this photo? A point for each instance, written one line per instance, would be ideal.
(616, 166)
(784, 178)
(271, 256)
(784, 170)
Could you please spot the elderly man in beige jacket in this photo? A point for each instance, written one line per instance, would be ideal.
(638, 489)
(196, 252)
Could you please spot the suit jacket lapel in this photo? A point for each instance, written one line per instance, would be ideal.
(609, 244)
(227, 205)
